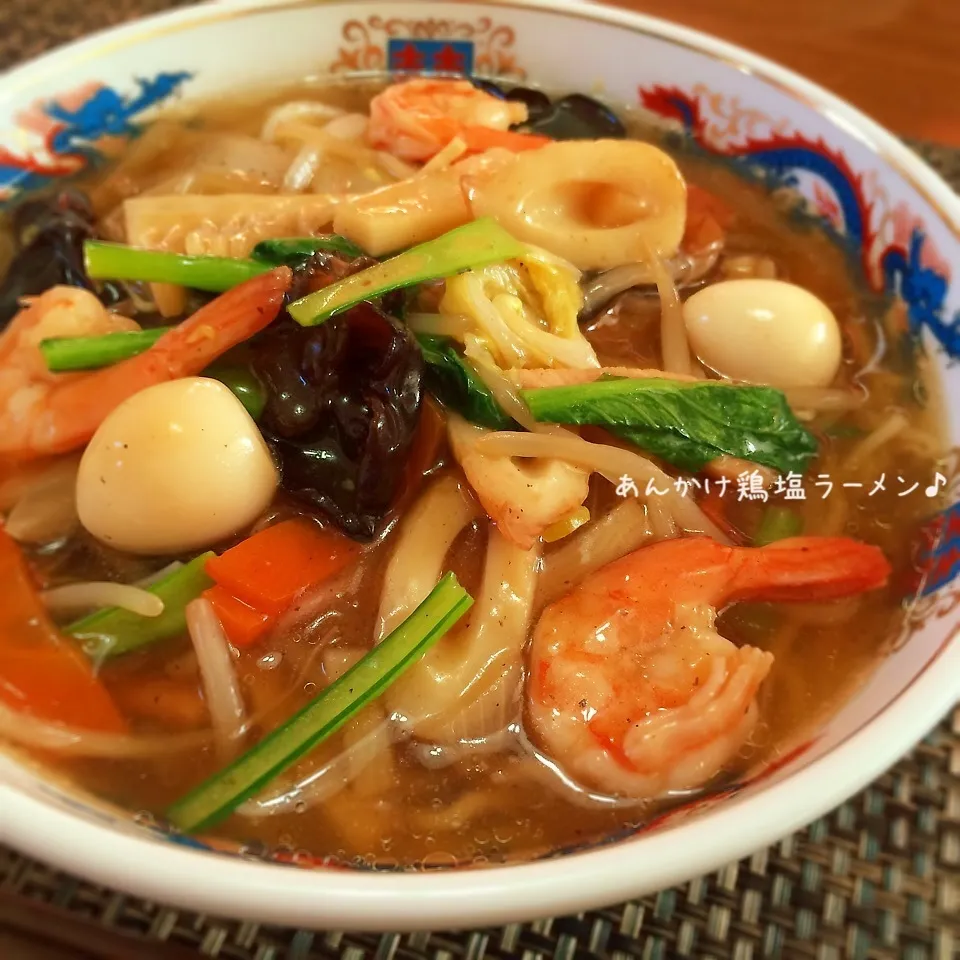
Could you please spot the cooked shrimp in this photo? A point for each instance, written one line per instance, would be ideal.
(60, 312)
(43, 413)
(415, 120)
(633, 691)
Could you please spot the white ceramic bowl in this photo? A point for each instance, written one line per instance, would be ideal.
(902, 221)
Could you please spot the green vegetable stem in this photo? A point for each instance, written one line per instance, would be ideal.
(112, 631)
(64, 354)
(115, 261)
(777, 523)
(222, 793)
(294, 250)
(476, 244)
(244, 385)
(90, 353)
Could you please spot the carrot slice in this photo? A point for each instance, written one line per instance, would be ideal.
(478, 139)
(266, 571)
(708, 219)
(41, 672)
(243, 625)
(703, 203)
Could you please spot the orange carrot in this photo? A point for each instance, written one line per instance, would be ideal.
(41, 672)
(243, 625)
(702, 202)
(478, 139)
(708, 219)
(270, 568)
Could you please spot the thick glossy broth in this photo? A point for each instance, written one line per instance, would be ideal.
(487, 802)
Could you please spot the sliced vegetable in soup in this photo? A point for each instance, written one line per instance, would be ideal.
(436, 469)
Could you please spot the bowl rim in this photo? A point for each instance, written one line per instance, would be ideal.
(344, 899)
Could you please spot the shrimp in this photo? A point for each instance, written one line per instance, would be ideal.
(42, 413)
(415, 120)
(60, 312)
(633, 691)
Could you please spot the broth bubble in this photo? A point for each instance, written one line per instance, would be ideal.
(270, 661)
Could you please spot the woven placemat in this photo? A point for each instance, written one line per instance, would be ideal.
(877, 878)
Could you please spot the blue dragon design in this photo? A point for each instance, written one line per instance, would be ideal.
(781, 164)
(779, 159)
(106, 113)
(923, 290)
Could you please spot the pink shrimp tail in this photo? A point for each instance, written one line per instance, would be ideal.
(76, 408)
(809, 568)
(233, 317)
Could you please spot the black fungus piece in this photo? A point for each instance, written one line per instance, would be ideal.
(33, 216)
(343, 402)
(574, 117)
(50, 234)
(578, 117)
(538, 103)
